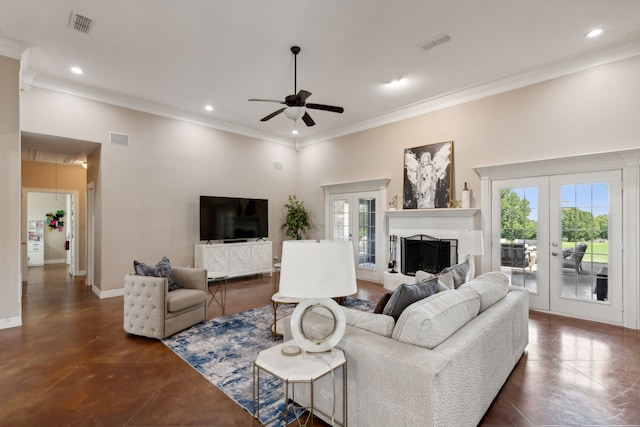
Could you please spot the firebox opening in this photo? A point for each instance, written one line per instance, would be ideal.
(426, 253)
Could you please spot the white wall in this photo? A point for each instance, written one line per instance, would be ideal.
(149, 191)
(10, 281)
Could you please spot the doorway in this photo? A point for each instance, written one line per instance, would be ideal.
(355, 217)
(353, 212)
(57, 238)
(560, 237)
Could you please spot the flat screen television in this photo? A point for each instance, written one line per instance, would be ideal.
(233, 218)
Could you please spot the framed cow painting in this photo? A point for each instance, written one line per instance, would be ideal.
(427, 176)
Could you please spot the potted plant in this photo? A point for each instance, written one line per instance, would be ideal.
(297, 219)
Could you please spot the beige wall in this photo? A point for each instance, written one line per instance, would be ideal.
(41, 176)
(593, 111)
(10, 281)
(149, 191)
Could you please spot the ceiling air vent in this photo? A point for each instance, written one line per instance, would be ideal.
(80, 23)
(118, 138)
(436, 41)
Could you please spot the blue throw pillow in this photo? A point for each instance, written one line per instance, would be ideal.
(162, 269)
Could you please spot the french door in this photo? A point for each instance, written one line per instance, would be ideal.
(560, 237)
(357, 217)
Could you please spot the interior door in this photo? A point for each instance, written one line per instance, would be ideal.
(586, 245)
(357, 217)
(70, 229)
(560, 237)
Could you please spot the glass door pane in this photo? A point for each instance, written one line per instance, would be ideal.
(585, 246)
(519, 235)
(340, 222)
(367, 233)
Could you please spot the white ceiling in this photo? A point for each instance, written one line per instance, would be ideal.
(174, 57)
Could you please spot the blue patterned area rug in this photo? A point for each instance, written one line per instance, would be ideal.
(223, 351)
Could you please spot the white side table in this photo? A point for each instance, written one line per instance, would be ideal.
(276, 300)
(302, 368)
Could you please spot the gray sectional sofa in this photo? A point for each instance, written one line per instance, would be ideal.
(441, 364)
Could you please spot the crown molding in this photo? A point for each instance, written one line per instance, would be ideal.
(624, 49)
(57, 84)
(613, 52)
(11, 48)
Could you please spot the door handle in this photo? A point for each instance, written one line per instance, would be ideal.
(554, 253)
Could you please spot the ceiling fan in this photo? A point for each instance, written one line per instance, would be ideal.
(296, 104)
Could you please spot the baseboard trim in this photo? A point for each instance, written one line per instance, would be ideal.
(10, 322)
(55, 261)
(107, 294)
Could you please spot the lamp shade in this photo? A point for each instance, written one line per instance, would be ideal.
(317, 269)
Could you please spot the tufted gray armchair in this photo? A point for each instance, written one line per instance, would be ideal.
(152, 311)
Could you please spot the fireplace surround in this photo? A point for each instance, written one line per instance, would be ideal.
(461, 224)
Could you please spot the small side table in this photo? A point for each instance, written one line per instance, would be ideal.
(276, 300)
(275, 285)
(302, 368)
(218, 281)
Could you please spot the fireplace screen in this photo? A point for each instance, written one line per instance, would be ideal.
(426, 253)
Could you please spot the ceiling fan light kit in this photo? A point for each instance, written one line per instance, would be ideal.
(296, 105)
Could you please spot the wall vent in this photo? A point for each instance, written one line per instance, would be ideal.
(118, 138)
(80, 23)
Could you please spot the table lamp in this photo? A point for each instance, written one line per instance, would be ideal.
(315, 271)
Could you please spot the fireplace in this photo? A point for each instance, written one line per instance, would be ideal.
(426, 253)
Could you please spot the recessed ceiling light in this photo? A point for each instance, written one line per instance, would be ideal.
(77, 70)
(208, 107)
(295, 131)
(594, 33)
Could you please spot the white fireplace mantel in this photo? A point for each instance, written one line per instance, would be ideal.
(407, 222)
(433, 213)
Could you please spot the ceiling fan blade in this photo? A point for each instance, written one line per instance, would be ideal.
(303, 95)
(266, 100)
(307, 119)
(326, 108)
(272, 115)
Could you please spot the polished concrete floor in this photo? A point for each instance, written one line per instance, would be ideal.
(71, 364)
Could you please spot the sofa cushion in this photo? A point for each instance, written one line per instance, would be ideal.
(460, 272)
(431, 321)
(161, 269)
(491, 286)
(184, 298)
(408, 293)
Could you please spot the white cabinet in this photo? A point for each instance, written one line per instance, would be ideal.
(234, 259)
